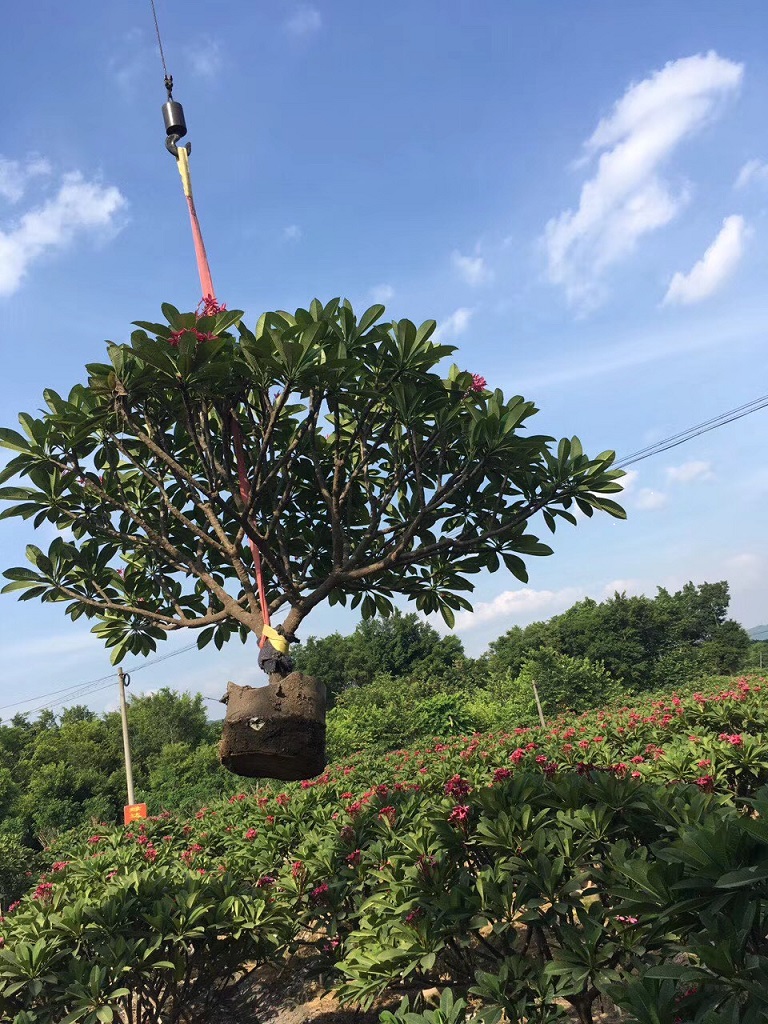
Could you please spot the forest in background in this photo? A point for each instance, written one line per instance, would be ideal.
(391, 682)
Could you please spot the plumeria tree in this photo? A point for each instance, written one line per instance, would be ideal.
(367, 470)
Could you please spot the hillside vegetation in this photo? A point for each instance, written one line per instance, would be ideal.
(393, 682)
(617, 855)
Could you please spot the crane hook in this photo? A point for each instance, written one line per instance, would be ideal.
(175, 124)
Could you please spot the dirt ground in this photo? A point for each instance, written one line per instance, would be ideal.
(290, 995)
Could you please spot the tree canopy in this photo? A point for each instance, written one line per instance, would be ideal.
(646, 642)
(366, 473)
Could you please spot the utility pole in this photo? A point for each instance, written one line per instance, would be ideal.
(124, 680)
(538, 704)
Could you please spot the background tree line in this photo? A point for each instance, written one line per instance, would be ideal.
(391, 682)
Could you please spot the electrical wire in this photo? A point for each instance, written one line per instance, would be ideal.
(696, 431)
(65, 690)
(83, 689)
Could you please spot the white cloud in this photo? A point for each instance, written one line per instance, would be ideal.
(382, 293)
(130, 60)
(629, 480)
(688, 472)
(526, 605)
(292, 233)
(305, 21)
(79, 206)
(713, 269)
(473, 269)
(626, 197)
(456, 323)
(206, 58)
(649, 499)
(753, 170)
(15, 176)
(515, 605)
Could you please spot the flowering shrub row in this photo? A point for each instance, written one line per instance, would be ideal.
(531, 872)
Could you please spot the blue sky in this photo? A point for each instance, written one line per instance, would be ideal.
(578, 193)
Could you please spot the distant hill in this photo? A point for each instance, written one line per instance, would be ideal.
(758, 633)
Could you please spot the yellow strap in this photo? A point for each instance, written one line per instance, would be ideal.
(278, 642)
(182, 162)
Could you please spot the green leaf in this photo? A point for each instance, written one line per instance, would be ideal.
(13, 440)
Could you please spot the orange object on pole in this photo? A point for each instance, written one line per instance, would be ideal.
(134, 812)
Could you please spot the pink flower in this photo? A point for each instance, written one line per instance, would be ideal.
(388, 813)
(500, 774)
(251, 834)
(265, 881)
(457, 787)
(43, 891)
(706, 782)
(478, 383)
(150, 854)
(353, 859)
(319, 893)
(297, 869)
(733, 738)
(414, 915)
(59, 865)
(627, 920)
(93, 840)
(459, 814)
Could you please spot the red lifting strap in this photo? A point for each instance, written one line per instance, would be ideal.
(209, 297)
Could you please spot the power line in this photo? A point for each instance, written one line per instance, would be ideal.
(65, 700)
(65, 690)
(83, 689)
(687, 435)
(162, 657)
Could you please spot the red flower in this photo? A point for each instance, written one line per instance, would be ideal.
(297, 869)
(389, 813)
(43, 891)
(319, 893)
(459, 814)
(265, 881)
(478, 383)
(94, 839)
(59, 865)
(251, 834)
(500, 774)
(457, 787)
